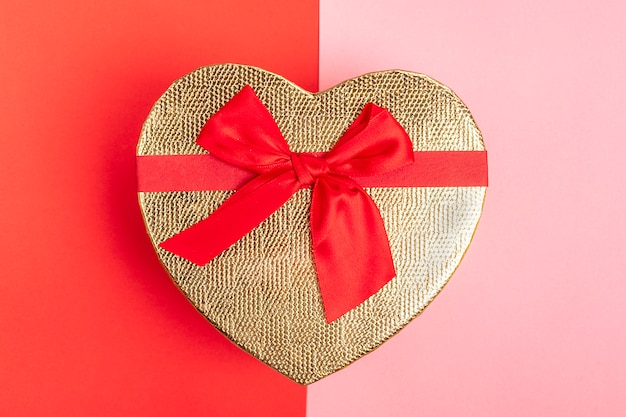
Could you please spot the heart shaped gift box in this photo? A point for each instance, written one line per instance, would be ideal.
(350, 210)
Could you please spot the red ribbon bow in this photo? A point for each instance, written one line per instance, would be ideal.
(350, 244)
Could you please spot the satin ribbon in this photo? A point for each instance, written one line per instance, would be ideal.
(205, 172)
(350, 245)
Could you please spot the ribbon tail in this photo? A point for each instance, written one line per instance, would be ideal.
(236, 217)
(350, 245)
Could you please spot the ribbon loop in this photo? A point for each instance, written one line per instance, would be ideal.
(350, 245)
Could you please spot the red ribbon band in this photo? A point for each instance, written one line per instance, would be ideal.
(248, 153)
(168, 173)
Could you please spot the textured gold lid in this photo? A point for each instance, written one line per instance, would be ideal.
(262, 292)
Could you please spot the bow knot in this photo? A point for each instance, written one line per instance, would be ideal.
(308, 168)
(350, 245)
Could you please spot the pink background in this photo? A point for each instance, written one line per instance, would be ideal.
(533, 322)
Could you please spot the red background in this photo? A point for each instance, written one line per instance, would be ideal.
(90, 324)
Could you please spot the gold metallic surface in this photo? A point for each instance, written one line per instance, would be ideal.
(262, 292)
